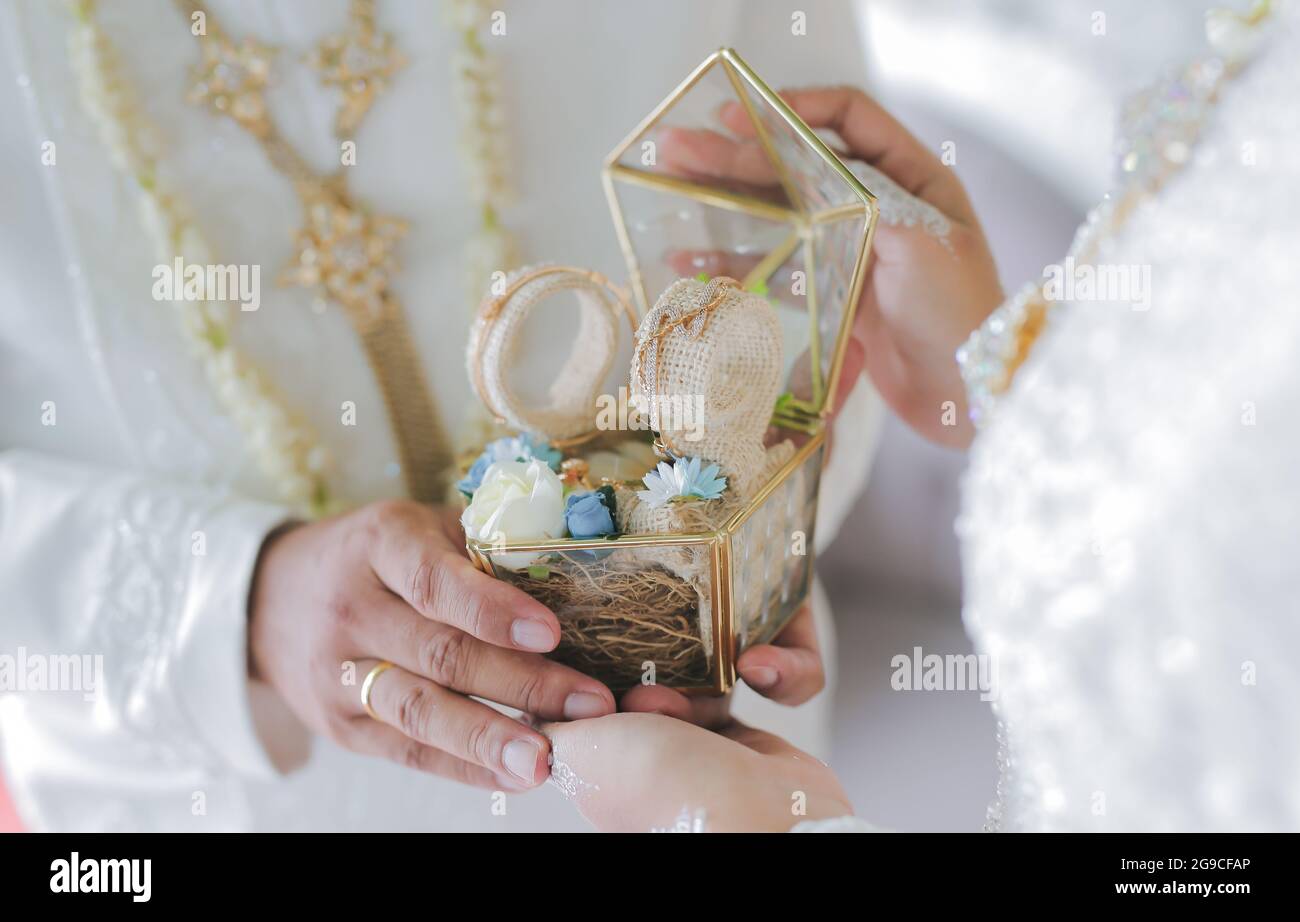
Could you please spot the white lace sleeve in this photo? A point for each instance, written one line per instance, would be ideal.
(125, 633)
(839, 824)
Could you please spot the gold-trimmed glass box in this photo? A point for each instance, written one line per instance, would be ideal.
(721, 179)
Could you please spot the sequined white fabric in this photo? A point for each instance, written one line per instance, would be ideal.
(1128, 525)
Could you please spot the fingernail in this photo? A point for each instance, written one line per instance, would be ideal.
(584, 704)
(520, 759)
(760, 676)
(531, 635)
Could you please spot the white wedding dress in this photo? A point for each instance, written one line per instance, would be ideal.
(1129, 536)
(98, 510)
(1128, 532)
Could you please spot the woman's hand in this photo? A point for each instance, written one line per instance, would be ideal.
(391, 582)
(641, 772)
(923, 294)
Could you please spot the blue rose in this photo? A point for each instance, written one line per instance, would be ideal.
(527, 446)
(590, 514)
(523, 447)
(474, 479)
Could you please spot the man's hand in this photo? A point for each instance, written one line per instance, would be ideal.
(391, 582)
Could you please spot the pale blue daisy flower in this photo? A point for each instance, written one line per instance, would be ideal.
(682, 479)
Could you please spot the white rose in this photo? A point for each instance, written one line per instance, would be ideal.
(517, 501)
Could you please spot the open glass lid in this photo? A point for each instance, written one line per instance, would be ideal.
(724, 179)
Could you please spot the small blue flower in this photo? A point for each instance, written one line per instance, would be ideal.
(526, 447)
(474, 478)
(683, 479)
(522, 447)
(590, 514)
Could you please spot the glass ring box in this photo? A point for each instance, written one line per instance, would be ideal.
(792, 226)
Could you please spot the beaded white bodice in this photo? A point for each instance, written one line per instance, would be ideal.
(1128, 538)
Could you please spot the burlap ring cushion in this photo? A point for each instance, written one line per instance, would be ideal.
(569, 410)
(708, 363)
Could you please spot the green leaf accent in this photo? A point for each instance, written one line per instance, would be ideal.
(794, 422)
(702, 277)
(792, 413)
(320, 498)
(608, 492)
(215, 336)
(539, 571)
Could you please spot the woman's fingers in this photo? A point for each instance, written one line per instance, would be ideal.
(434, 716)
(458, 661)
(410, 554)
(868, 130)
(696, 153)
(790, 669)
(635, 772)
(873, 135)
(703, 711)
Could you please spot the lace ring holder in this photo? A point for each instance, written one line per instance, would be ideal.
(567, 415)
